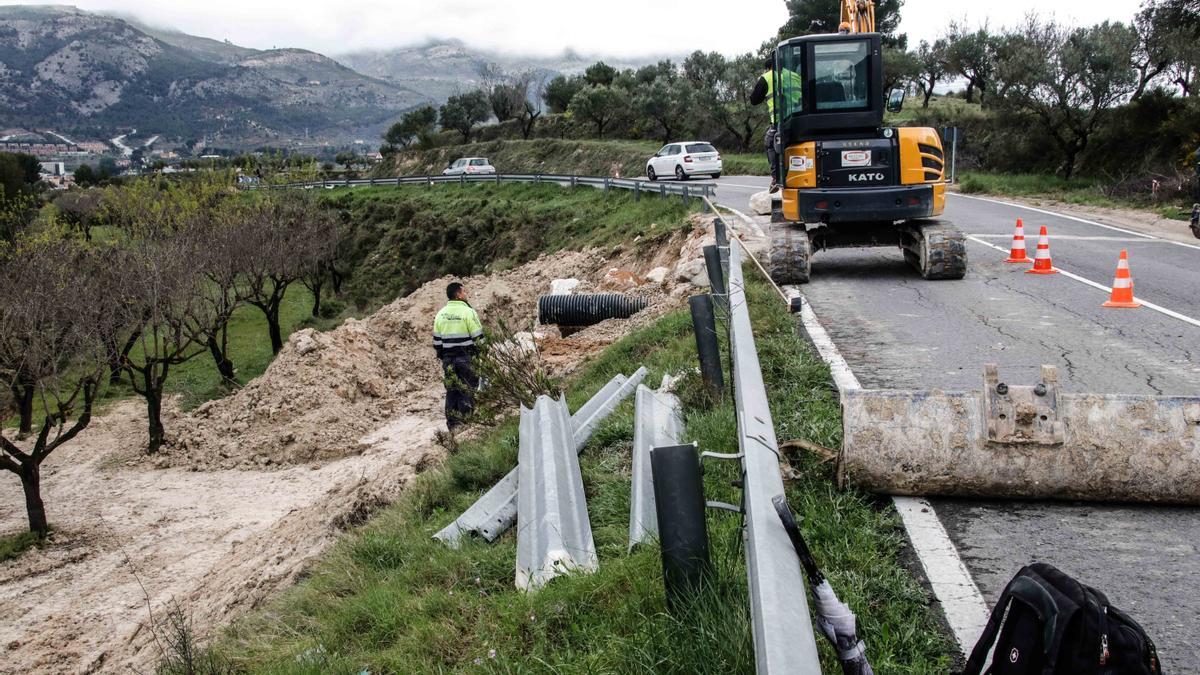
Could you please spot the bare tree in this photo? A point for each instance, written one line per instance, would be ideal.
(531, 108)
(59, 308)
(288, 238)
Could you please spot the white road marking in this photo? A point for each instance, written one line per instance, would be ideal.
(1107, 289)
(1070, 237)
(1114, 228)
(963, 605)
(966, 610)
(747, 219)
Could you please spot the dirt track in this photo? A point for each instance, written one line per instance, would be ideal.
(254, 486)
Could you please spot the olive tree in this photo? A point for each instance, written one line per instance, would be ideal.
(1067, 80)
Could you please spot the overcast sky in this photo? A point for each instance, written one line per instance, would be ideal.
(615, 27)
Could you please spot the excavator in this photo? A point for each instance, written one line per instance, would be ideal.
(846, 180)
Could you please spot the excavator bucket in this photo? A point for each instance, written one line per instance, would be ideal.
(1028, 442)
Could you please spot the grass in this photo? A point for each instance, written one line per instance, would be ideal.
(553, 156)
(13, 545)
(1082, 191)
(404, 237)
(389, 599)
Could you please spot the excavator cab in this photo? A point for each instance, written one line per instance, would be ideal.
(848, 181)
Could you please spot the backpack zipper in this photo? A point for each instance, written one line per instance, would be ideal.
(1104, 653)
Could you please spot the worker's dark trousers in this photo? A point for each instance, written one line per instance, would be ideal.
(772, 156)
(461, 382)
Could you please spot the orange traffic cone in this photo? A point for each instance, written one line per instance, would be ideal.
(1041, 259)
(1122, 288)
(1018, 246)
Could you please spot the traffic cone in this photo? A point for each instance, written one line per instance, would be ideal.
(1122, 288)
(1041, 260)
(1018, 246)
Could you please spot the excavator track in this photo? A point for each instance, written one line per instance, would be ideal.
(936, 249)
(789, 259)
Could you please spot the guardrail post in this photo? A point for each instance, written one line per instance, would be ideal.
(682, 529)
(497, 179)
(719, 230)
(637, 191)
(372, 182)
(606, 184)
(686, 196)
(537, 178)
(704, 325)
(573, 181)
(716, 276)
(662, 191)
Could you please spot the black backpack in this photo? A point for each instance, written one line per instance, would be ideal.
(1050, 624)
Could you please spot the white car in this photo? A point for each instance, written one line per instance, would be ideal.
(684, 160)
(470, 166)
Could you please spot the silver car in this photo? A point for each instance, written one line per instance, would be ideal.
(470, 166)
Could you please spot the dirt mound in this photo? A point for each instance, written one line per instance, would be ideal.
(326, 390)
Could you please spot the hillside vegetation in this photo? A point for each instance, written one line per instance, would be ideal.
(399, 238)
(555, 156)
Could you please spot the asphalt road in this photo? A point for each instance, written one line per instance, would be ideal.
(898, 331)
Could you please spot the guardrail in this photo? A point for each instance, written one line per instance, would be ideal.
(782, 625)
(637, 186)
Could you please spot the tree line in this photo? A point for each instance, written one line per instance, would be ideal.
(177, 259)
(1048, 92)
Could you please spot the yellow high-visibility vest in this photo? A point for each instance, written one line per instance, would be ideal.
(792, 91)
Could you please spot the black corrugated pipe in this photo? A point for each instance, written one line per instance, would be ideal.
(587, 309)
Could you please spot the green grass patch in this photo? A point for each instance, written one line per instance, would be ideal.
(1082, 191)
(13, 545)
(389, 599)
(404, 237)
(554, 156)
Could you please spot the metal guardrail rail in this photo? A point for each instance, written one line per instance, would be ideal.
(782, 625)
(635, 185)
(656, 423)
(554, 535)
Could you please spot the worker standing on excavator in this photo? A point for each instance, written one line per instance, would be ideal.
(456, 335)
(764, 90)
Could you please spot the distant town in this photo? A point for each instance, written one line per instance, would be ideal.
(134, 154)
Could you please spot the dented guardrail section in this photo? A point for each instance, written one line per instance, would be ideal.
(492, 514)
(782, 625)
(656, 423)
(1031, 442)
(554, 535)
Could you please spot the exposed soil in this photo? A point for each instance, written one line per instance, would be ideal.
(253, 486)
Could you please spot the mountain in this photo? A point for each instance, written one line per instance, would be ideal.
(91, 74)
(439, 69)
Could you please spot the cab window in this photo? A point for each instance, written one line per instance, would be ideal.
(841, 76)
(700, 147)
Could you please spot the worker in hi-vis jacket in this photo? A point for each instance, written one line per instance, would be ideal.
(456, 336)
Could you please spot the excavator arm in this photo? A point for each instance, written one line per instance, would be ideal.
(858, 16)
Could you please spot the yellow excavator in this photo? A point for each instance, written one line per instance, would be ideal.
(846, 180)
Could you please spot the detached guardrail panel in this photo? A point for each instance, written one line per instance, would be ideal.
(656, 424)
(782, 624)
(554, 535)
(496, 511)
